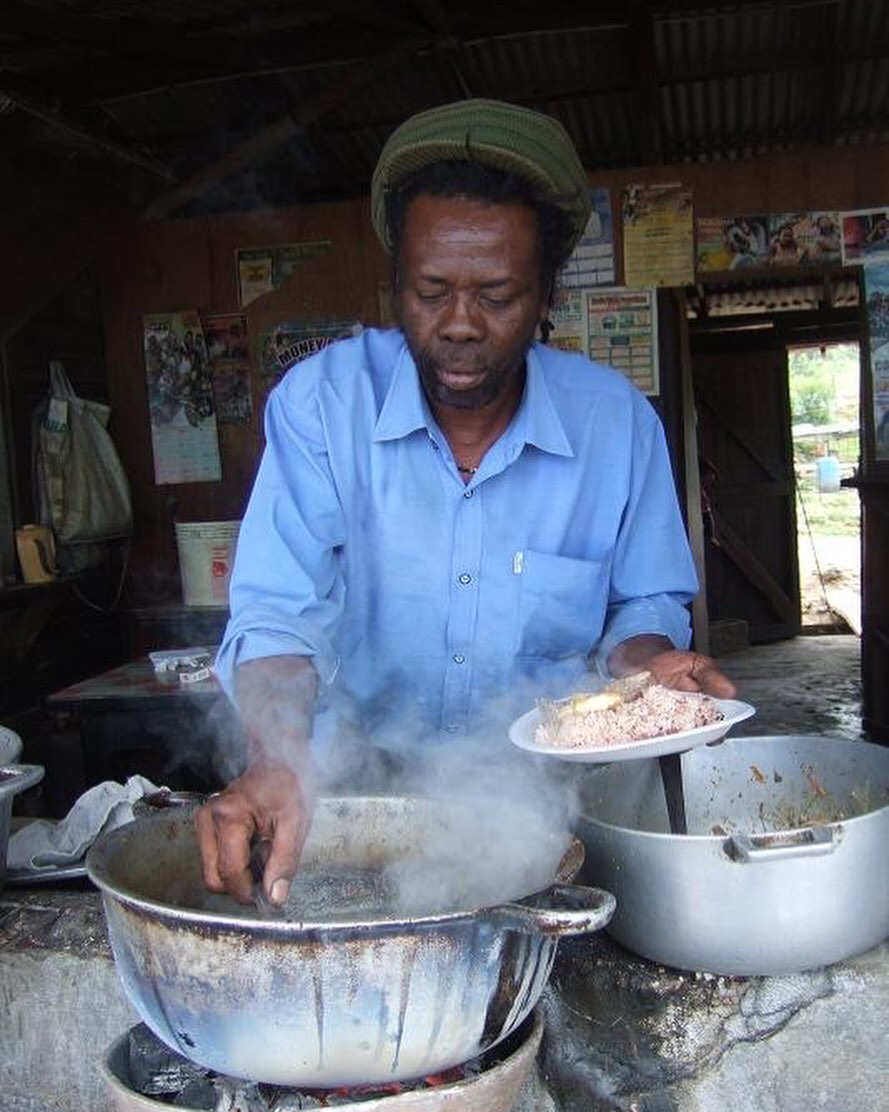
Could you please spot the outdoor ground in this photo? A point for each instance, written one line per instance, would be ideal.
(828, 529)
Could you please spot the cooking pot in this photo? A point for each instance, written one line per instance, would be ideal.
(14, 778)
(783, 868)
(404, 951)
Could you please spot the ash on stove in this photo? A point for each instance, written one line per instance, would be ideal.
(156, 1071)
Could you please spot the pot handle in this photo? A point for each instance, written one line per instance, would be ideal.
(559, 909)
(813, 841)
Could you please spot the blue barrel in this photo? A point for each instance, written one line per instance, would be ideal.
(827, 472)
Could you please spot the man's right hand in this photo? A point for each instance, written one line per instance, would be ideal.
(274, 799)
(269, 803)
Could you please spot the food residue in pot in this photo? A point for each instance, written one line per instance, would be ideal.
(814, 808)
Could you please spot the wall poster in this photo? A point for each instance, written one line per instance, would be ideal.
(184, 439)
(262, 269)
(876, 287)
(866, 237)
(658, 236)
(228, 352)
(291, 342)
(617, 327)
(592, 261)
(767, 240)
(622, 327)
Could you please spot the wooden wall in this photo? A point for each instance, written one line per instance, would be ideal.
(189, 264)
(174, 265)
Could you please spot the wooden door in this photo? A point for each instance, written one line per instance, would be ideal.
(746, 456)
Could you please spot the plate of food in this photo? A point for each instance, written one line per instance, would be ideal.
(625, 721)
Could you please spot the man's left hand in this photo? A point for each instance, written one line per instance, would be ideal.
(688, 671)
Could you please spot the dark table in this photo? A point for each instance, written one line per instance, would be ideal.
(127, 721)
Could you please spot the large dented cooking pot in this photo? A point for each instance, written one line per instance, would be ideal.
(783, 868)
(355, 986)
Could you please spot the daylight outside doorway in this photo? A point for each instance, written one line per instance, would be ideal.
(824, 402)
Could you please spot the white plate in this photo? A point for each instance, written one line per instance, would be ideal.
(521, 733)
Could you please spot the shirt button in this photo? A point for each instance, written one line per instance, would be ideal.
(450, 729)
(465, 579)
(459, 658)
(467, 493)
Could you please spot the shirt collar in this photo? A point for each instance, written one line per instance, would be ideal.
(404, 408)
(536, 422)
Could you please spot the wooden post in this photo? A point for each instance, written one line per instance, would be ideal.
(699, 614)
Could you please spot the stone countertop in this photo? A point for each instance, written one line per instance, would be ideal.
(622, 1034)
(61, 920)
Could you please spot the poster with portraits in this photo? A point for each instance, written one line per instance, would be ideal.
(184, 437)
(228, 354)
(866, 237)
(761, 240)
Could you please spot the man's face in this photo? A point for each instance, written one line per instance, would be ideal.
(469, 295)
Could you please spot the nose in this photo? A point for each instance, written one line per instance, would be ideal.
(461, 319)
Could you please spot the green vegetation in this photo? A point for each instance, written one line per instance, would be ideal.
(834, 514)
(824, 391)
(824, 384)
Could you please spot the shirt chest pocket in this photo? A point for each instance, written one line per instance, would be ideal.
(561, 605)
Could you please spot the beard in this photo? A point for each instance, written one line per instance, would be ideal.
(496, 374)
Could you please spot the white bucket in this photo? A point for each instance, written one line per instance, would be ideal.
(206, 555)
(827, 471)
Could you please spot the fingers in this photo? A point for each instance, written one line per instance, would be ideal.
(269, 802)
(292, 824)
(283, 859)
(689, 671)
(225, 826)
(709, 679)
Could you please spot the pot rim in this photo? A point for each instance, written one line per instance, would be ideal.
(589, 819)
(310, 929)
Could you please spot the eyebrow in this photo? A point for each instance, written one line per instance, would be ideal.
(491, 284)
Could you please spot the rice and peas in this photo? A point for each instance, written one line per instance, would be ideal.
(616, 716)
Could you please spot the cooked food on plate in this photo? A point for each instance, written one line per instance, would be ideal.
(629, 709)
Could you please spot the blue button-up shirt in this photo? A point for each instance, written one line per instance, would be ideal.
(432, 608)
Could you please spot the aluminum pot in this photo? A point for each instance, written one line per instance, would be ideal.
(783, 868)
(14, 778)
(413, 976)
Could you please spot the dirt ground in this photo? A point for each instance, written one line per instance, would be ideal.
(830, 582)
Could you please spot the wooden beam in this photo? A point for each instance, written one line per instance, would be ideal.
(281, 130)
(84, 135)
(692, 475)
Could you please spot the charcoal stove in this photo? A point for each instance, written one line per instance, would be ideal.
(490, 1083)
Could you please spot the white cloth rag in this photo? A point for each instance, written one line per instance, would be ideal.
(47, 843)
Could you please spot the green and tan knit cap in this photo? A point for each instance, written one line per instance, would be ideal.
(507, 137)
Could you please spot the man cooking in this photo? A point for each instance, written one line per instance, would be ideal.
(450, 519)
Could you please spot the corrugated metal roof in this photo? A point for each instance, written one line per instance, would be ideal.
(185, 80)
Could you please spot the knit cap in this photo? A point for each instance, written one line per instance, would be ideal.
(520, 141)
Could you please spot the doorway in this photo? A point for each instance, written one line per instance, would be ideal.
(824, 382)
(748, 489)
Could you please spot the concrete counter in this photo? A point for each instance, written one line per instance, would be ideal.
(623, 1034)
